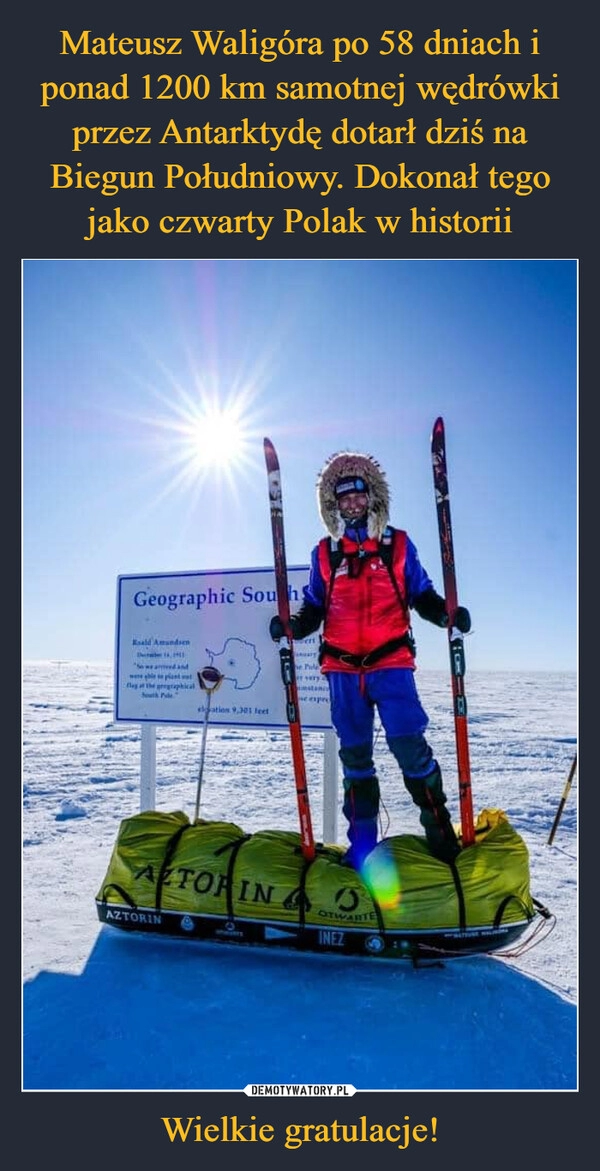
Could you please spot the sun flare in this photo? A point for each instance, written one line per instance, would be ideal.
(216, 439)
(213, 436)
(208, 430)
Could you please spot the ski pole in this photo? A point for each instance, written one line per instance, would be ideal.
(455, 638)
(288, 675)
(209, 679)
(561, 804)
(286, 654)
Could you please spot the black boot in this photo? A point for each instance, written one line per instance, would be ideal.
(428, 794)
(439, 831)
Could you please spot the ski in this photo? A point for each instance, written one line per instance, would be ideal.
(286, 653)
(455, 638)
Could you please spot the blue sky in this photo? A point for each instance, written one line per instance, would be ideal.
(123, 359)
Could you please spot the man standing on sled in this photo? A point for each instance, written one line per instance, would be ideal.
(365, 578)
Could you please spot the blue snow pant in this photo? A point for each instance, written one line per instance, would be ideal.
(392, 691)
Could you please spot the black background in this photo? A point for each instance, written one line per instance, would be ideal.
(494, 1129)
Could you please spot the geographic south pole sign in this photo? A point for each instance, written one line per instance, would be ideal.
(171, 626)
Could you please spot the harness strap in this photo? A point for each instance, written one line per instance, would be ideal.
(368, 660)
(385, 551)
(335, 560)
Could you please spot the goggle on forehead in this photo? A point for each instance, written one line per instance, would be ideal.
(356, 484)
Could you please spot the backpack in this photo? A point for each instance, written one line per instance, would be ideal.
(385, 551)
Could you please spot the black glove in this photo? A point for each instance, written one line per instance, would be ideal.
(462, 619)
(305, 622)
(432, 607)
(277, 629)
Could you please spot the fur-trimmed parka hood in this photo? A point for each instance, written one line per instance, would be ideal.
(348, 464)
